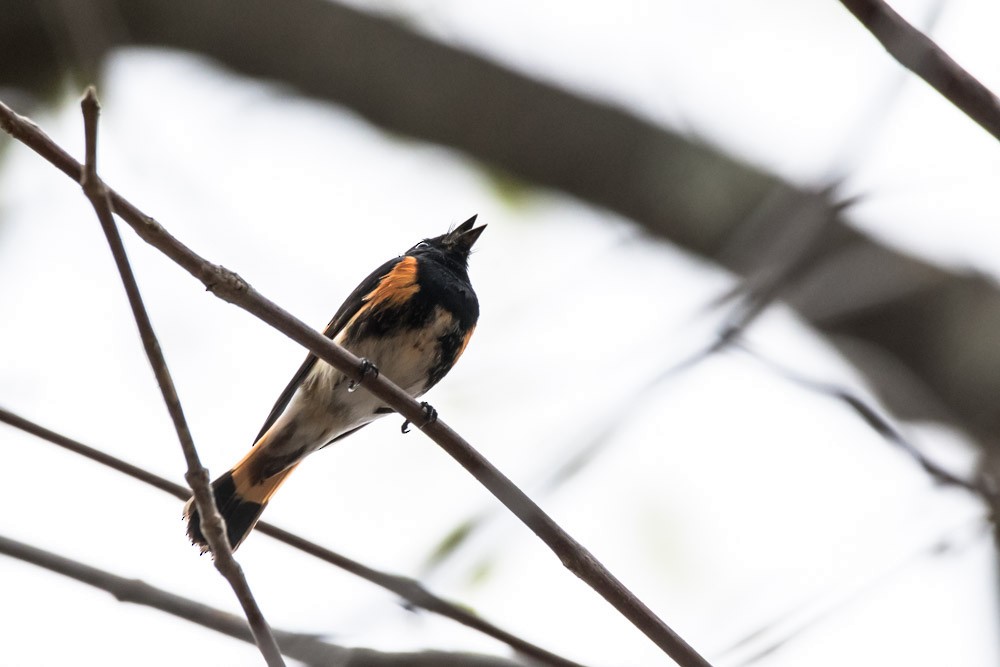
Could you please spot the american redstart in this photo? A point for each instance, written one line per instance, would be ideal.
(410, 320)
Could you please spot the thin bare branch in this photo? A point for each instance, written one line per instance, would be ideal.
(918, 53)
(197, 475)
(230, 287)
(407, 588)
(306, 648)
(979, 487)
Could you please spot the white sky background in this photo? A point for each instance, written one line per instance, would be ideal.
(728, 499)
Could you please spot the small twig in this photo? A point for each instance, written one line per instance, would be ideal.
(197, 475)
(230, 287)
(791, 229)
(306, 648)
(918, 53)
(407, 588)
(979, 487)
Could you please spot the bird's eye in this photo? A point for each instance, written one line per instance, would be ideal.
(422, 244)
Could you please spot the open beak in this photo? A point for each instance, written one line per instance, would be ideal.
(465, 235)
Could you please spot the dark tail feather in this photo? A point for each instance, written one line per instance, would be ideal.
(239, 513)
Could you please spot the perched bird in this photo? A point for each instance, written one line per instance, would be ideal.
(410, 320)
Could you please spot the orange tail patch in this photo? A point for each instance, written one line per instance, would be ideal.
(241, 497)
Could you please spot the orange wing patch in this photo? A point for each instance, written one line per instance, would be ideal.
(397, 286)
(465, 343)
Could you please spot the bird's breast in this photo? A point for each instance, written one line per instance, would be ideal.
(405, 356)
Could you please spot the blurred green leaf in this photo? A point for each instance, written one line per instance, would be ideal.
(510, 190)
(451, 542)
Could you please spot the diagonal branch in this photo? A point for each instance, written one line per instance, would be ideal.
(228, 286)
(918, 53)
(306, 648)
(981, 486)
(197, 475)
(408, 589)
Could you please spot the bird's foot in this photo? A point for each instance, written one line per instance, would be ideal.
(367, 369)
(430, 416)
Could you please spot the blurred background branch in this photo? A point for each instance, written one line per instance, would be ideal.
(410, 590)
(984, 489)
(887, 311)
(307, 648)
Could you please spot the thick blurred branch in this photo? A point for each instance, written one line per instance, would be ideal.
(230, 287)
(922, 335)
(407, 588)
(305, 648)
(212, 525)
(918, 53)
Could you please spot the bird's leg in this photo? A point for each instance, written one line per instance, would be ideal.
(430, 416)
(367, 368)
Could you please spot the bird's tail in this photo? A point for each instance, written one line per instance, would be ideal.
(241, 496)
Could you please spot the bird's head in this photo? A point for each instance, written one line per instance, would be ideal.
(452, 247)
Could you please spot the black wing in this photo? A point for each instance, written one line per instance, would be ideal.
(343, 315)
